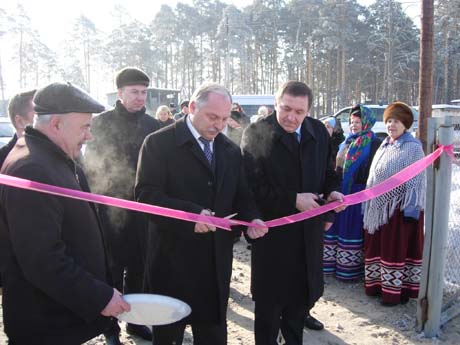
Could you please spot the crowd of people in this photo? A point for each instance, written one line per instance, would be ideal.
(65, 262)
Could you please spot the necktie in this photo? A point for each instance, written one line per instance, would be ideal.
(297, 137)
(207, 149)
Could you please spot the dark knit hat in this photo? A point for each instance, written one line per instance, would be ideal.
(64, 98)
(356, 110)
(400, 111)
(184, 103)
(131, 76)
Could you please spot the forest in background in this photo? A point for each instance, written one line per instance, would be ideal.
(345, 51)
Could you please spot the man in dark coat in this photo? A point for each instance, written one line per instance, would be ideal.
(288, 161)
(56, 279)
(191, 166)
(184, 110)
(111, 161)
(21, 113)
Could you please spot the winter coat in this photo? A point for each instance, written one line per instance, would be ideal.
(174, 172)
(287, 262)
(54, 267)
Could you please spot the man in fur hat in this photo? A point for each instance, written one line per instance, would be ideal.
(111, 161)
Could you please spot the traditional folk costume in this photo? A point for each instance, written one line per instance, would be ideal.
(393, 224)
(343, 242)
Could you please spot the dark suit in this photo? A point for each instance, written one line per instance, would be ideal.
(196, 268)
(53, 257)
(288, 259)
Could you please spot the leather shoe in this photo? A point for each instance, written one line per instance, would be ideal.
(112, 339)
(140, 331)
(312, 323)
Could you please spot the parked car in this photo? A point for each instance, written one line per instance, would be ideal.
(6, 131)
(379, 128)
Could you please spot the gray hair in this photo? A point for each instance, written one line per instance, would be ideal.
(42, 120)
(201, 95)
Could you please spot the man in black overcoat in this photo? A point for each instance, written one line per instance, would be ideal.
(110, 162)
(54, 267)
(287, 157)
(191, 166)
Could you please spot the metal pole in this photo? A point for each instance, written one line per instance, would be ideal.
(440, 229)
(430, 188)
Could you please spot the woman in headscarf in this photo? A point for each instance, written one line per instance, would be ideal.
(343, 242)
(393, 222)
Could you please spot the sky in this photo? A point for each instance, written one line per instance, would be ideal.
(50, 15)
(53, 18)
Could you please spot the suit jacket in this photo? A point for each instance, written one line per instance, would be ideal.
(173, 172)
(54, 267)
(287, 262)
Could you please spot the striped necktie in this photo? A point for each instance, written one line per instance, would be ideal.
(207, 149)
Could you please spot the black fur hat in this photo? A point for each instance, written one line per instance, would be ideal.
(64, 98)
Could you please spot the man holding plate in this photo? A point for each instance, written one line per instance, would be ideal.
(54, 265)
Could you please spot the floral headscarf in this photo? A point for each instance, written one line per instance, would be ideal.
(359, 146)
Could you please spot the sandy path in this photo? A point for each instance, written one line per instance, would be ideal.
(350, 317)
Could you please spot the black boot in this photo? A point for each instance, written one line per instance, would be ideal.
(312, 323)
(140, 331)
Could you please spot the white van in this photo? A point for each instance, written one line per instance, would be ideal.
(251, 103)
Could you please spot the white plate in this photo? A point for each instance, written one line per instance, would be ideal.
(154, 310)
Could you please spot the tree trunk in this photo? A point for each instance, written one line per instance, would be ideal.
(426, 69)
(446, 65)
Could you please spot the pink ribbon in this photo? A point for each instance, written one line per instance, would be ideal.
(351, 199)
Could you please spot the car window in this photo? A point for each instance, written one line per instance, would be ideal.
(6, 130)
(378, 113)
(343, 115)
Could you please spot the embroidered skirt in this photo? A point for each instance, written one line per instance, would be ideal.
(343, 243)
(393, 259)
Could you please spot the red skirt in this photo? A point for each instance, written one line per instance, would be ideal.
(393, 259)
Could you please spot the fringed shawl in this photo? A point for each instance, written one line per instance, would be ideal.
(389, 160)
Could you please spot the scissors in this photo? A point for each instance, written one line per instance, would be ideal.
(230, 216)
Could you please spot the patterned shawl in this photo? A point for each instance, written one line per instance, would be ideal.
(389, 160)
(359, 148)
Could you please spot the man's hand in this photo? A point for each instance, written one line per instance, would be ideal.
(327, 225)
(116, 305)
(254, 232)
(204, 228)
(306, 201)
(336, 196)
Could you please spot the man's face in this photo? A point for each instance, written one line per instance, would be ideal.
(23, 120)
(74, 130)
(185, 110)
(211, 118)
(133, 97)
(291, 111)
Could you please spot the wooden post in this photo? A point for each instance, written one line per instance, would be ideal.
(426, 69)
(439, 237)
